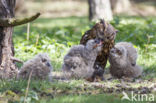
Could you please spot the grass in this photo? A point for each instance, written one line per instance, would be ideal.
(56, 36)
(75, 91)
(99, 98)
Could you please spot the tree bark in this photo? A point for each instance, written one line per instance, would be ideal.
(8, 68)
(120, 6)
(19, 5)
(100, 9)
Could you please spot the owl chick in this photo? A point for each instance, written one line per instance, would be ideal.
(131, 52)
(40, 67)
(80, 59)
(120, 64)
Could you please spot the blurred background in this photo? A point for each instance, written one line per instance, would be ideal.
(65, 8)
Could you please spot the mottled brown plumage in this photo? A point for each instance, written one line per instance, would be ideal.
(107, 33)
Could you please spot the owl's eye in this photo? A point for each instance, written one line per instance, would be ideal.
(119, 52)
(102, 39)
(108, 37)
(44, 60)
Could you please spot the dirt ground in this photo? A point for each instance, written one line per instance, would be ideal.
(113, 85)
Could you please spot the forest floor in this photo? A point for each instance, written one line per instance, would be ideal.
(56, 36)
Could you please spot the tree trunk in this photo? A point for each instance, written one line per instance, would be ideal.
(19, 5)
(120, 6)
(100, 9)
(7, 66)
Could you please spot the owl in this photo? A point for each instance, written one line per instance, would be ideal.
(107, 33)
(79, 61)
(121, 64)
(131, 52)
(40, 66)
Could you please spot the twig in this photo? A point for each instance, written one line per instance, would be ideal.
(27, 89)
(37, 39)
(148, 41)
(7, 22)
(28, 31)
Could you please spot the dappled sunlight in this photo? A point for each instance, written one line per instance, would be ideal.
(132, 21)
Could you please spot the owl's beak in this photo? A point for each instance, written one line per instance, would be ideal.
(98, 44)
(49, 65)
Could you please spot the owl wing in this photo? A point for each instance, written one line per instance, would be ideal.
(90, 34)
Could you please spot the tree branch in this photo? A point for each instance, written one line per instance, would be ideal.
(16, 60)
(15, 22)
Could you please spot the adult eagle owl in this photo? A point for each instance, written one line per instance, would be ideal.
(107, 33)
